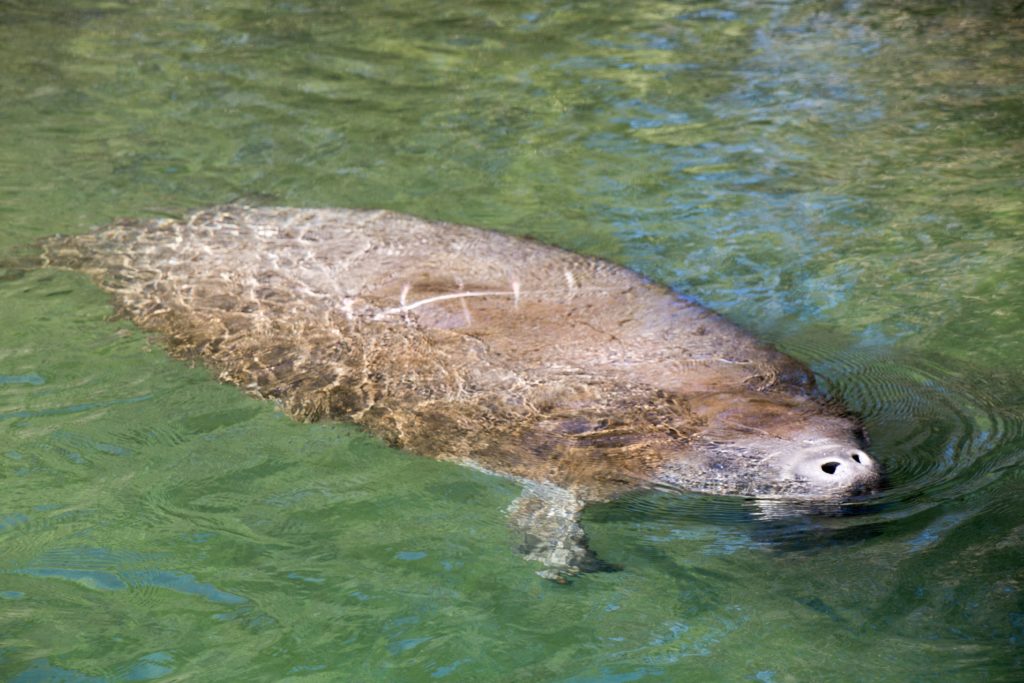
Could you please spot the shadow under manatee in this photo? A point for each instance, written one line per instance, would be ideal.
(652, 525)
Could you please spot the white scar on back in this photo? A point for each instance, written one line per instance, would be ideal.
(404, 307)
(570, 281)
(516, 293)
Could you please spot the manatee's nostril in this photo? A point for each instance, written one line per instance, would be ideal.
(856, 456)
(830, 467)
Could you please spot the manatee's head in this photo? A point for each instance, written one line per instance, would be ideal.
(774, 447)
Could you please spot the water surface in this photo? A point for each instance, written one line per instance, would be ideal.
(844, 179)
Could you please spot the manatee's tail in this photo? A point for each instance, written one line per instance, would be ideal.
(24, 258)
(71, 252)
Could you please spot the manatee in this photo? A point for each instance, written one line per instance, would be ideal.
(576, 377)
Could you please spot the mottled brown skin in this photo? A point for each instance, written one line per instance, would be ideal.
(472, 346)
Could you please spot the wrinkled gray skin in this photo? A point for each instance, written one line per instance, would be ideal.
(575, 376)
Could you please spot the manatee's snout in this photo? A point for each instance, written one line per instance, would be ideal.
(799, 469)
(835, 467)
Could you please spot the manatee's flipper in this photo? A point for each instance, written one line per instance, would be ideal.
(546, 519)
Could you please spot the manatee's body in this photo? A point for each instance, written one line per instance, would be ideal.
(574, 375)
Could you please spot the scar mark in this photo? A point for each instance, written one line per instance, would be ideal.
(404, 307)
(570, 281)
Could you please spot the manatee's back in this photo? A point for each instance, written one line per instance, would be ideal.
(316, 307)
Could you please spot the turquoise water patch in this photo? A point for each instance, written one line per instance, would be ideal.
(33, 379)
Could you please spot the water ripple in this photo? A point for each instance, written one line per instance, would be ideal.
(939, 430)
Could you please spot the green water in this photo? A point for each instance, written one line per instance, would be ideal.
(844, 179)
